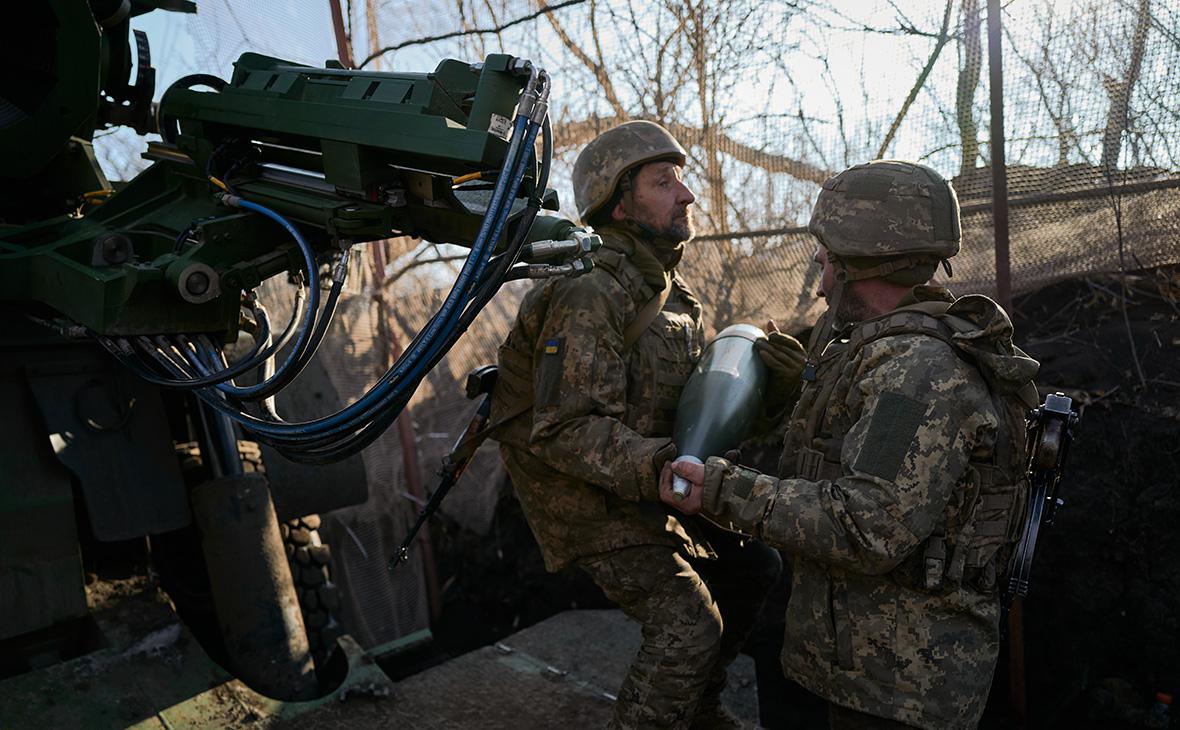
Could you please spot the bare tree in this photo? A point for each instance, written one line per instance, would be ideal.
(1047, 67)
(1120, 90)
(967, 84)
(939, 43)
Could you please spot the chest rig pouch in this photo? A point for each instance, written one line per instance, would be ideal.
(983, 520)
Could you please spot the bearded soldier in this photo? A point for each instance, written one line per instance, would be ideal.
(901, 484)
(590, 377)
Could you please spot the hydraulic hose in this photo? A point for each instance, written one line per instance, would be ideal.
(360, 439)
(201, 365)
(263, 389)
(277, 380)
(410, 367)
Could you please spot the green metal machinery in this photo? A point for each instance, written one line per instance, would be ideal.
(120, 301)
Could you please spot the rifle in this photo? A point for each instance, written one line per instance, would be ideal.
(1050, 433)
(479, 382)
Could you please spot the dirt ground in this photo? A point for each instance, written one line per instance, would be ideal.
(1102, 622)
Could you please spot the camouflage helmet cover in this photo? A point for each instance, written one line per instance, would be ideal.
(887, 208)
(601, 164)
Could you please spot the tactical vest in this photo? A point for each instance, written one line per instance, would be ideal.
(982, 522)
(513, 396)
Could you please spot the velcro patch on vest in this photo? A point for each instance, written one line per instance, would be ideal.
(549, 370)
(895, 421)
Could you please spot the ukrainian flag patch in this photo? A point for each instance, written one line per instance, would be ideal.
(552, 347)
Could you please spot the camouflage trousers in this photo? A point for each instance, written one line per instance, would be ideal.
(842, 718)
(695, 615)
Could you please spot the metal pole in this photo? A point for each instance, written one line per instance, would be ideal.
(253, 594)
(995, 69)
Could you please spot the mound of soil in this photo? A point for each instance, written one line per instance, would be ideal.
(1102, 621)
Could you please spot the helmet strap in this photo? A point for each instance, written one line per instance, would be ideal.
(822, 333)
(884, 268)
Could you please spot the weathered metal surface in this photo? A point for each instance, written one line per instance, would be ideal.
(153, 674)
(113, 439)
(563, 672)
(40, 568)
(253, 594)
(559, 673)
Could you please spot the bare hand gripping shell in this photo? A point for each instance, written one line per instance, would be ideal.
(722, 398)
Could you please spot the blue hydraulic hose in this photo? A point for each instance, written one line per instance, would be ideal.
(397, 398)
(497, 217)
(380, 395)
(389, 387)
(313, 299)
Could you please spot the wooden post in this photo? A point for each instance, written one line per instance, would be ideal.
(343, 45)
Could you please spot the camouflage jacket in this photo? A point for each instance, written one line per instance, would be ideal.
(585, 457)
(903, 488)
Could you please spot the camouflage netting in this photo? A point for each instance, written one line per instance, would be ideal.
(1093, 166)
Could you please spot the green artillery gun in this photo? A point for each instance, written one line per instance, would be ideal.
(282, 168)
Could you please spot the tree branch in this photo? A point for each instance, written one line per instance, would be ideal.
(942, 39)
(578, 132)
(596, 68)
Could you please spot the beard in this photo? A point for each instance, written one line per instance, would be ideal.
(680, 229)
(677, 228)
(852, 307)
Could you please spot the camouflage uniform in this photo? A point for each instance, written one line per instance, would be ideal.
(585, 461)
(900, 489)
(901, 485)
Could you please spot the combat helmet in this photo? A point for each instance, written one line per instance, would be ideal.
(888, 218)
(602, 163)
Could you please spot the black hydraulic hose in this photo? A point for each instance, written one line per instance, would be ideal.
(259, 354)
(280, 380)
(407, 373)
(313, 285)
(328, 438)
(489, 285)
(335, 450)
(488, 288)
(390, 386)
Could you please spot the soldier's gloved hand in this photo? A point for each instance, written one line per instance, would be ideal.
(784, 357)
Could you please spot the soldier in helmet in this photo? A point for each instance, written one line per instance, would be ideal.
(590, 378)
(901, 484)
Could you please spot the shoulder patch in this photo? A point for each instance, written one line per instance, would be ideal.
(895, 421)
(549, 371)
